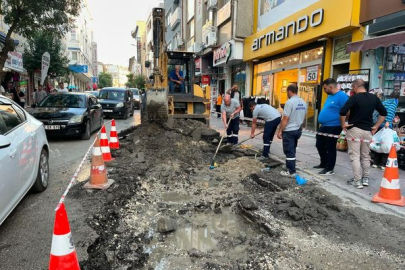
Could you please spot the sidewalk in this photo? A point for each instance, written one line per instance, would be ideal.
(307, 157)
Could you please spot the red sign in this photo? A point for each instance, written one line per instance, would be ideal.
(197, 65)
(205, 79)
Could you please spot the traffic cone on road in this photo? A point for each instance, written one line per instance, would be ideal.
(105, 149)
(63, 253)
(114, 143)
(98, 171)
(390, 191)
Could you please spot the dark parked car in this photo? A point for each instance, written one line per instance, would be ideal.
(137, 97)
(70, 114)
(116, 102)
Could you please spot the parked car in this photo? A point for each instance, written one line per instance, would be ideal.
(116, 102)
(137, 97)
(70, 114)
(94, 93)
(24, 155)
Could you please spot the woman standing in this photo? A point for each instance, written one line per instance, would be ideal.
(19, 96)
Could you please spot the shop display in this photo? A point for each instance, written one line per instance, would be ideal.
(346, 80)
(394, 72)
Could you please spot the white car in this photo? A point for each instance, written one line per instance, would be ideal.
(24, 153)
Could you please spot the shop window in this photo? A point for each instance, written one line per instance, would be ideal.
(263, 67)
(284, 62)
(339, 49)
(394, 73)
(312, 55)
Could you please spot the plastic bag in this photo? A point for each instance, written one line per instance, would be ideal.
(341, 144)
(383, 140)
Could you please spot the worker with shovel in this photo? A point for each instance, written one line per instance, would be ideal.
(230, 109)
(272, 119)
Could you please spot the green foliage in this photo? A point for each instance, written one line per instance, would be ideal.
(138, 81)
(27, 17)
(45, 42)
(105, 80)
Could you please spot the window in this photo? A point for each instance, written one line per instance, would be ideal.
(73, 34)
(191, 25)
(74, 56)
(190, 9)
(9, 118)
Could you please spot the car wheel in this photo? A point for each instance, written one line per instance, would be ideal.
(125, 116)
(132, 111)
(87, 133)
(42, 180)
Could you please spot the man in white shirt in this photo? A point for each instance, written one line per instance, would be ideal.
(62, 88)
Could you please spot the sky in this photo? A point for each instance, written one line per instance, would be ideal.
(113, 21)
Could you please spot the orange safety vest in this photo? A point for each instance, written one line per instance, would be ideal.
(219, 100)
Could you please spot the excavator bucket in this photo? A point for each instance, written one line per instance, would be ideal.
(155, 105)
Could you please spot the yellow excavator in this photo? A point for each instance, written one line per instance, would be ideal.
(166, 98)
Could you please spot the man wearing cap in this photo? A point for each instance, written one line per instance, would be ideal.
(272, 119)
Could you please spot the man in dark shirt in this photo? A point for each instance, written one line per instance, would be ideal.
(176, 80)
(359, 109)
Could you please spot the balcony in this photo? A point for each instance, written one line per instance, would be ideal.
(175, 18)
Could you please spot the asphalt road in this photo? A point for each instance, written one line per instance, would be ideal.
(26, 235)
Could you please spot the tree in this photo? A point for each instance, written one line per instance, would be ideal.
(136, 81)
(27, 17)
(45, 42)
(105, 80)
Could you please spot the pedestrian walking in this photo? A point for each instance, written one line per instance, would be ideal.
(230, 109)
(329, 118)
(272, 118)
(19, 96)
(290, 129)
(360, 127)
(391, 104)
(40, 94)
(218, 106)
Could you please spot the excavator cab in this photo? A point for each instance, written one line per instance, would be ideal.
(172, 92)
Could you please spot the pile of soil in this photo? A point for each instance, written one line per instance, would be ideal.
(168, 210)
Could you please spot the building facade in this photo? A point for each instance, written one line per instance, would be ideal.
(135, 62)
(80, 45)
(383, 48)
(302, 42)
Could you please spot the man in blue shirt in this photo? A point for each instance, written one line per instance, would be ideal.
(176, 80)
(329, 118)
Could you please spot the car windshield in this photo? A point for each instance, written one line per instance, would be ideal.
(135, 92)
(115, 95)
(94, 93)
(64, 101)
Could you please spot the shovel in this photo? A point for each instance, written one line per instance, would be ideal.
(229, 147)
(219, 145)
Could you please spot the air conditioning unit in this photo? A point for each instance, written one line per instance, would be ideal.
(210, 37)
(197, 47)
(212, 4)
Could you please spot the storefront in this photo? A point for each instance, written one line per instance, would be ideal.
(383, 48)
(303, 49)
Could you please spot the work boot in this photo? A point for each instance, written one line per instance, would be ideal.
(287, 174)
(319, 167)
(356, 183)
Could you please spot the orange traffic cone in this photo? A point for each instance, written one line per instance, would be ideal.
(105, 149)
(390, 192)
(98, 172)
(63, 253)
(114, 143)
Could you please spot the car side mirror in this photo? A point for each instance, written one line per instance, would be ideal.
(95, 106)
(4, 142)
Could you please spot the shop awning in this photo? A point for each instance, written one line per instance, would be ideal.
(374, 43)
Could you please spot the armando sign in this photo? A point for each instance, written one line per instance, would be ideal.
(292, 28)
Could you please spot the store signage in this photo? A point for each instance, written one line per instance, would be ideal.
(205, 79)
(197, 65)
(292, 28)
(224, 13)
(14, 61)
(46, 60)
(223, 53)
(312, 73)
(79, 68)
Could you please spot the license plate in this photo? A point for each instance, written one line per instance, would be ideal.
(52, 127)
(107, 110)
